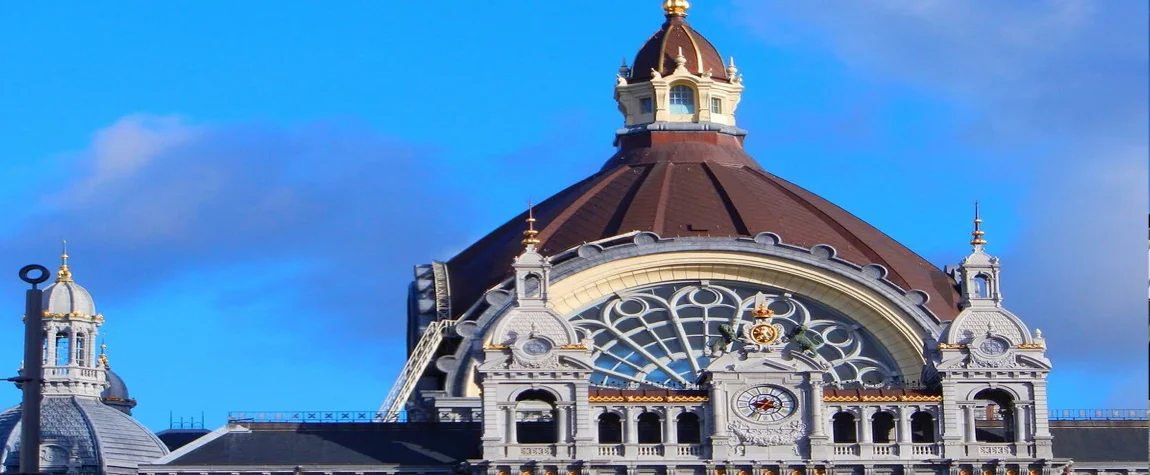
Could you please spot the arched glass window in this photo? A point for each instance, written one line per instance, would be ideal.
(535, 417)
(81, 347)
(922, 428)
(610, 429)
(63, 350)
(648, 429)
(688, 428)
(682, 100)
(843, 428)
(882, 428)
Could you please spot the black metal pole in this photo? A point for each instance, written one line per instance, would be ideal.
(33, 370)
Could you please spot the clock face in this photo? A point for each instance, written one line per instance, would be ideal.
(764, 334)
(765, 403)
(993, 346)
(536, 346)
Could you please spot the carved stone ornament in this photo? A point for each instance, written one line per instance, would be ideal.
(1006, 360)
(787, 434)
(533, 352)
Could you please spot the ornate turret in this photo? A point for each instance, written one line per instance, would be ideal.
(678, 77)
(85, 416)
(71, 325)
(979, 271)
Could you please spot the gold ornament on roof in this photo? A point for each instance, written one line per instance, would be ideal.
(104, 356)
(762, 311)
(530, 241)
(676, 7)
(64, 274)
(977, 241)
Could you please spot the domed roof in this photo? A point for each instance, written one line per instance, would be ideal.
(116, 394)
(66, 297)
(695, 183)
(103, 439)
(676, 35)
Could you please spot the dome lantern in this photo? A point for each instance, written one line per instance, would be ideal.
(679, 77)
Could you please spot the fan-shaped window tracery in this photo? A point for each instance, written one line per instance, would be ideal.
(661, 335)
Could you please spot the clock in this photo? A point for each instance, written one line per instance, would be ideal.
(765, 403)
(993, 346)
(764, 334)
(536, 346)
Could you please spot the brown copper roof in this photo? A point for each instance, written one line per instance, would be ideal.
(659, 52)
(692, 184)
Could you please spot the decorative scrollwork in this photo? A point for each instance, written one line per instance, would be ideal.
(787, 434)
(664, 335)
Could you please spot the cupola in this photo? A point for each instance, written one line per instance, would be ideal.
(678, 77)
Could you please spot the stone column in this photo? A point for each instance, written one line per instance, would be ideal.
(968, 423)
(50, 352)
(816, 404)
(903, 432)
(864, 426)
(71, 347)
(630, 426)
(561, 424)
(1020, 414)
(670, 434)
(718, 412)
(512, 437)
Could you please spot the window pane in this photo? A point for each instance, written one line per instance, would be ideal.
(716, 105)
(682, 100)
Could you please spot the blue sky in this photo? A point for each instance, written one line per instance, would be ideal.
(246, 186)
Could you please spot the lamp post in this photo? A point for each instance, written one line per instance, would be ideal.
(33, 369)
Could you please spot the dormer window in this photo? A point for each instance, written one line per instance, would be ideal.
(682, 100)
(646, 106)
(716, 105)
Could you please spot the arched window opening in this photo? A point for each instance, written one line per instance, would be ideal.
(843, 428)
(688, 429)
(682, 100)
(994, 422)
(81, 348)
(63, 349)
(610, 429)
(535, 417)
(648, 429)
(882, 428)
(531, 285)
(981, 286)
(922, 428)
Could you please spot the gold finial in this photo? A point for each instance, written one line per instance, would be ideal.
(104, 356)
(530, 241)
(977, 241)
(762, 311)
(64, 274)
(676, 7)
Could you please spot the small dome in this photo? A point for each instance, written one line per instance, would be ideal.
(676, 35)
(116, 394)
(67, 297)
(101, 438)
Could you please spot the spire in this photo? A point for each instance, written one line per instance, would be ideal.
(104, 356)
(530, 241)
(64, 274)
(977, 241)
(676, 7)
